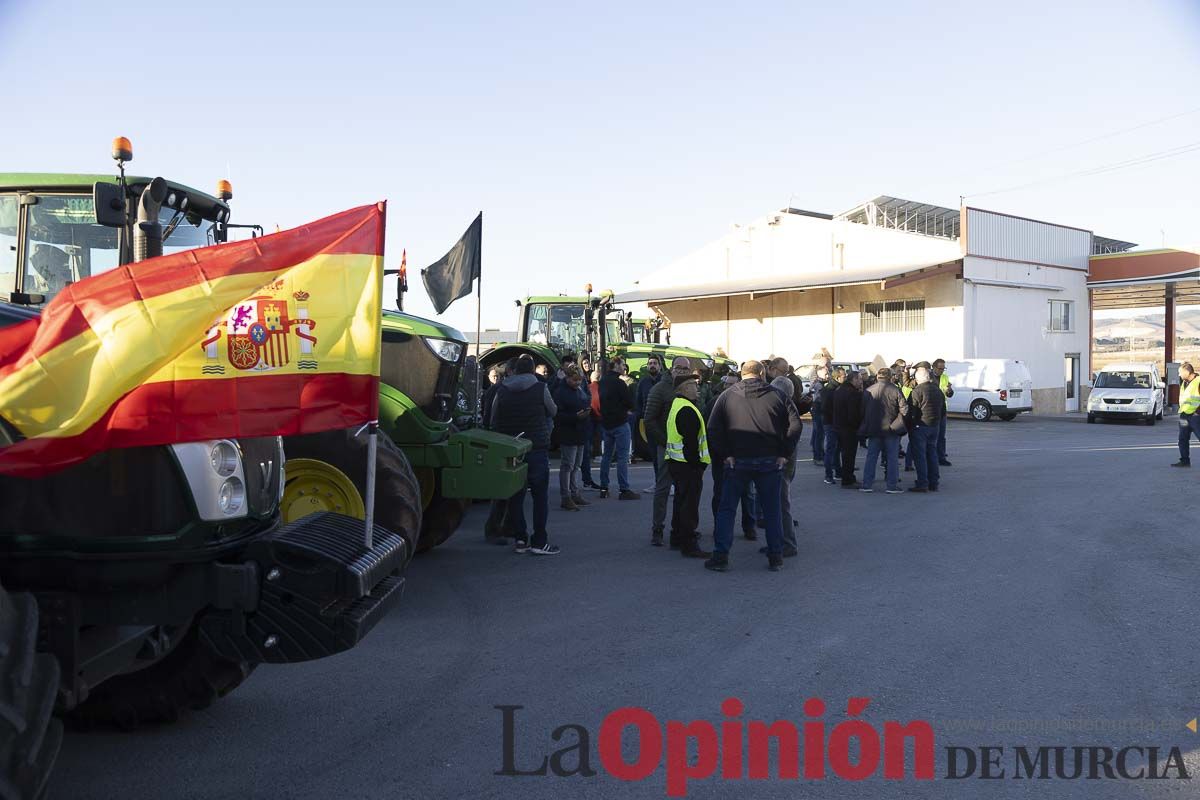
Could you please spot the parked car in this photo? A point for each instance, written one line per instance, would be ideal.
(987, 386)
(1127, 391)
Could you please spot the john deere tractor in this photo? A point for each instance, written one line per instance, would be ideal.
(551, 327)
(163, 575)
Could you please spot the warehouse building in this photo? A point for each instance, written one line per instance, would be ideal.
(888, 279)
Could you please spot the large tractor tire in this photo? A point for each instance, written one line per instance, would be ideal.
(29, 736)
(191, 676)
(442, 517)
(397, 493)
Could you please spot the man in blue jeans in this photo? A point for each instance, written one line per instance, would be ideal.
(884, 411)
(927, 408)
(754, 431)
(523, 407)
(1189, 419)
(616, 408)
(832, 460)
(940, 377)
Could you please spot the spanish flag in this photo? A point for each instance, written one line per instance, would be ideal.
(278, 335)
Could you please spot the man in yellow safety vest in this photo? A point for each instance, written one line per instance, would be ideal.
(687, 458)
(1189, 404)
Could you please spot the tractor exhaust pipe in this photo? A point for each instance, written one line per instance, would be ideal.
(148, 232)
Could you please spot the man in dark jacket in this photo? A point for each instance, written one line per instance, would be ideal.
(658, 407)
(927, 409)
(847, 416)
(574, 408)
(884, 412)
(718, 472)
(754, 431)
(832, 453)
(523, 407)
(494, 529)
(647, 382)
(687, 458)
(616, 407)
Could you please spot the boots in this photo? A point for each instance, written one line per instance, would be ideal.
(579, 501)
(569, 505)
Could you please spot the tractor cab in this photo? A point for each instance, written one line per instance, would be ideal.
(56, 229)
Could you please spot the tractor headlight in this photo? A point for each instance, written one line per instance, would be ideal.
(224, 459)
(216, 477)
(445, 349)
(231, 496)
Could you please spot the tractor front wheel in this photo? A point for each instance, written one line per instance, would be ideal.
(343, 480)
(442, 517)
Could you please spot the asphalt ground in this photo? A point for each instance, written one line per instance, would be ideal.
(1045, 597)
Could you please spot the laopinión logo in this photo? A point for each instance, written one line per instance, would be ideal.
(734, 748)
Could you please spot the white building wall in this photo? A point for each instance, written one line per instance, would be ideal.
(1013, 321)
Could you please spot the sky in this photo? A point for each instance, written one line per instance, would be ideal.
(603, 141)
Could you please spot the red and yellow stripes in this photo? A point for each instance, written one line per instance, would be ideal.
(277, 335)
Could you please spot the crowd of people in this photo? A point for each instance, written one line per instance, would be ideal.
(747, 427)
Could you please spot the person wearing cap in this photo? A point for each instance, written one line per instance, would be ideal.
(847, 416)
(883, 412)
(755, 431)
(832, 451)
(687, 457)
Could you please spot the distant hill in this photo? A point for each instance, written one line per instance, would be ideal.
(1187, 326)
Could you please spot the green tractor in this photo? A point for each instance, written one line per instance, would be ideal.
(551, 327)
(147, 581)
(420, 377)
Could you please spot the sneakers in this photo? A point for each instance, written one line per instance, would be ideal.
(918, 489)
(944, 463)
(521, 545)
(749, 534)
(603, 494)
(830, 482)
(788, 552)
(774, 563)
(865, 489)
(895, 491)
(693, 550)
(933, 488)
(1182, 463)
(545, 550)
(629, 494)
(579, 501)
(569, 505)
(656, 537)
(590, 486)
(717, 563)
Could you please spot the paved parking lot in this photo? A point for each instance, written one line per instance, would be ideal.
(1047, 596)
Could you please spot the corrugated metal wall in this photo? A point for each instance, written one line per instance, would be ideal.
(1000, 236)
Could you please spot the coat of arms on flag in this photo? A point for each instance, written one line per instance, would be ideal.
(257, 334)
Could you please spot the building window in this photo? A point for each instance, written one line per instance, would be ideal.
(1060, 316)
(893, 316)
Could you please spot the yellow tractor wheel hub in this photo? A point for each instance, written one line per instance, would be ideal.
(313, 486)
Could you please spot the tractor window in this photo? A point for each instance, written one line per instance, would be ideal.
(64, 243)
(560, 326)
(8, 244)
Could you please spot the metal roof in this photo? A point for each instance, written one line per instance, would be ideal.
(780, 283)
(906, 215)
(1102, 245)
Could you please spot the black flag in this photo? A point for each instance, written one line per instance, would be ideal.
(450, 277)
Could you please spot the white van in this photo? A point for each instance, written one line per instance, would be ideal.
(1127, 391)
(987, 386)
